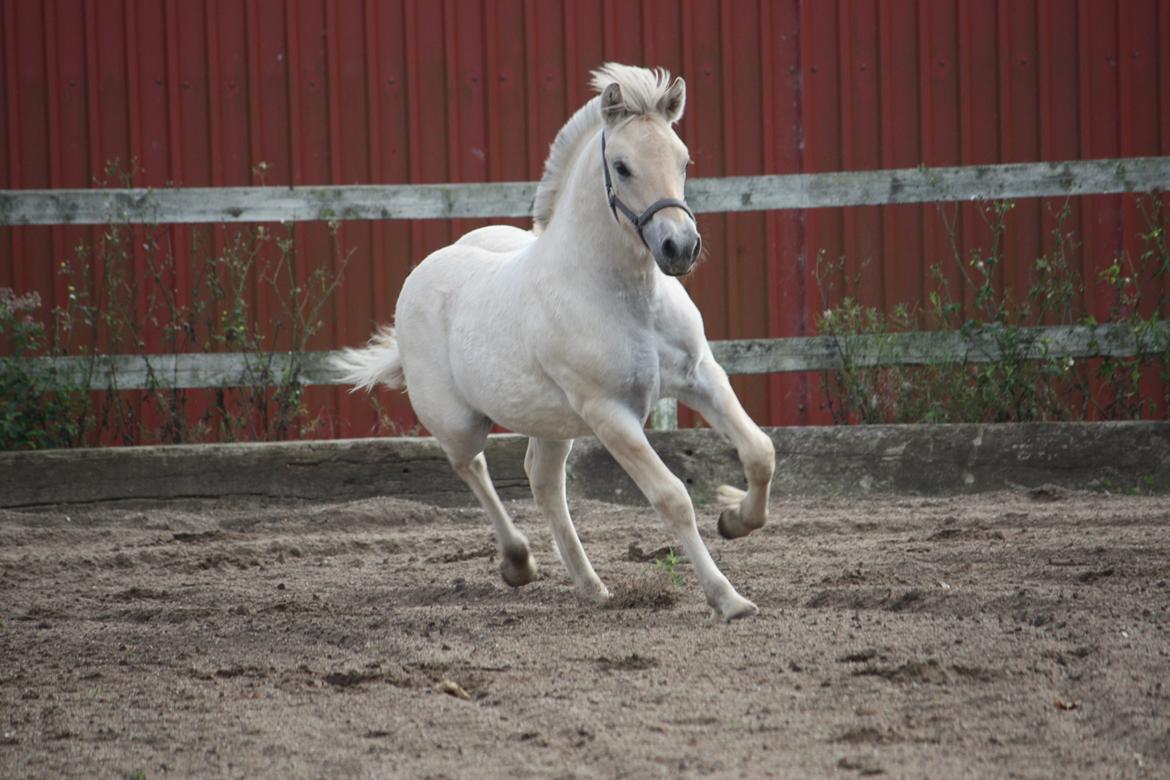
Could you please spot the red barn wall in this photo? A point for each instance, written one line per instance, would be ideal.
(199, 92)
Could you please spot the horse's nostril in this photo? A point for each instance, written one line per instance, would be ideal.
(698, 247)
(669, 250)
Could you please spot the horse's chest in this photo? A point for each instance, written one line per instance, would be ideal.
(635, 378)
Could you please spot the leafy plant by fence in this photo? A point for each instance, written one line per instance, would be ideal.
(1019, 385)
(111, 310)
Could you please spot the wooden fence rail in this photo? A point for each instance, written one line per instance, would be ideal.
(748, 356)
(745, 356)
(514, 199)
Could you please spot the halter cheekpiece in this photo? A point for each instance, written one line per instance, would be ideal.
(639, 221)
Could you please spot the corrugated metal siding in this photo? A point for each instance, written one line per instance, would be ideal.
(199, 92)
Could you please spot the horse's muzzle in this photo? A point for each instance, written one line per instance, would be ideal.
(677, 254)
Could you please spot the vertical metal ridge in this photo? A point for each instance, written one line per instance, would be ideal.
(54, 90)
(15, 139)
(336, 168)
(293, 61)
(214, 93)
(133, 78)
(532, 88)
(11, 95)
(1044, 58)
(491, 86)
(727, 154)
(454, 107)
(570, 59)
(374, 159)
(646, 13)
(12, 87)
(1164, 87)
(1085, 87)
(413, 133)
(8, 240)
(333, 90)
(133, 90)
(255, 84)
(53, 76)
(93, 111)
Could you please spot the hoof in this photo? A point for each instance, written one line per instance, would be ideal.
(737, 607)
(597, 596)
(518, 570)
(730, 525)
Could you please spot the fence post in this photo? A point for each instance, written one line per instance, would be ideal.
(664, 416)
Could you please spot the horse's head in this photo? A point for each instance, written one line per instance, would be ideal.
(645, 163)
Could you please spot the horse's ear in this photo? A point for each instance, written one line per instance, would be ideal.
(613, 105)
(674, 101)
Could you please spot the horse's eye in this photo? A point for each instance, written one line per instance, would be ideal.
(622, 170)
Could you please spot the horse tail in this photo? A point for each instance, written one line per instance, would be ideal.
(378, 363)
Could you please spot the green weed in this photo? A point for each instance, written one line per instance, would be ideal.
(669, 565)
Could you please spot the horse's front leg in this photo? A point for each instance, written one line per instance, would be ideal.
(620, 431)
(709, 393)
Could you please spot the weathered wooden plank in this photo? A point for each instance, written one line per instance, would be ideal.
(265, 204)
(749, 356)
(196, 370)
(514, 199)
(930, 185)
(815, 460)
(975, 345)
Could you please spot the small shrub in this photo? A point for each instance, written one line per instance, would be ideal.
(38, 409)
(124, 298)
(1024, 383)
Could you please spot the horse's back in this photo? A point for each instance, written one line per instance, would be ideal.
(498, 238)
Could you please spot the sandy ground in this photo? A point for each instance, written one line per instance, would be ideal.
(1007, 635)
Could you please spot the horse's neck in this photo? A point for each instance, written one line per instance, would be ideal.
(586, 242)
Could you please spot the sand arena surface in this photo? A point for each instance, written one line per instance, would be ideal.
(1020, 634)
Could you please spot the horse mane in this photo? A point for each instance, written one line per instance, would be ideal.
(642, 93)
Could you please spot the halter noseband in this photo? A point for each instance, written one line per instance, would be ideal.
(639, 221)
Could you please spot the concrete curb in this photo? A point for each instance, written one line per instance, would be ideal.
(915, 459)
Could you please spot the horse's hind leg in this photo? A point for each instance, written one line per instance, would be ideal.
(464, 450)
(710, 394)
(545, 465)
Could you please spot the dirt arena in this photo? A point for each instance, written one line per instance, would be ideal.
(1022, 634)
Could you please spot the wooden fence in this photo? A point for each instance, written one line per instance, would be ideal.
(514, 199)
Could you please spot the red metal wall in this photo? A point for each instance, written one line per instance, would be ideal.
(199, 92)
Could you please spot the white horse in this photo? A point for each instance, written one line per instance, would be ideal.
(577, 327)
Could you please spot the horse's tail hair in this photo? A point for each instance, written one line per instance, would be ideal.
(379, 362)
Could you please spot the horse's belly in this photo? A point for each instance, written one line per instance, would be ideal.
(520, 398)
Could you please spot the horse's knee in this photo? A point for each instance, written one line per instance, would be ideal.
(674, 503)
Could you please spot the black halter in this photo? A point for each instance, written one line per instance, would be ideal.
(639, 221)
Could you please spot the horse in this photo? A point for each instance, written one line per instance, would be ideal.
(577, 327)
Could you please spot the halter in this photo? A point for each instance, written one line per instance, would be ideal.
(639, 221)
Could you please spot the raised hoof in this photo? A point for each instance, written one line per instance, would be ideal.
(730, 526)
(518, 570)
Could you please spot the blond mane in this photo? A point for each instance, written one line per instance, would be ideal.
(643, 91)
